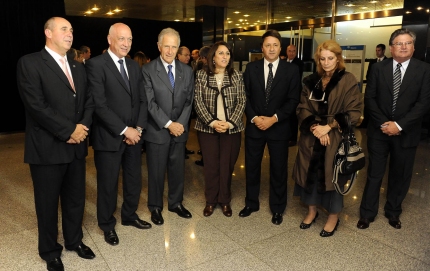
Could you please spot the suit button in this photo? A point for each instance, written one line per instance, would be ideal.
(74, 95)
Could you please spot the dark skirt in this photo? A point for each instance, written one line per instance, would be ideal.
(329, 200)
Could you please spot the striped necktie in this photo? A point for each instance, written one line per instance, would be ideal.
(397, 81)
(123, 73)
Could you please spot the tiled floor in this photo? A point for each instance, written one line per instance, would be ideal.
(218, 242)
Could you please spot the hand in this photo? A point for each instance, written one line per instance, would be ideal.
(390, 128)
(131, 136)
(320, 130)
(79, 135)
(264, 123)
(325, 140)
(221, 126)
(176, 129)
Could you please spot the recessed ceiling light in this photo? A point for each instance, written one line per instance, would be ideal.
(408, 12)
(192, 19)
(419, 8)
(373, 2)
(110, 12)
(176, 20)
(88, 12)
(288, 17)
(246, 15)
(363, 7)
(117, 10)
(237, 12)
(387, 5)
(95, 8)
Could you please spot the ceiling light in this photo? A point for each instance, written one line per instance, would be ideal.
(246, 15)
(373, 2)
(237, 12)
(419, 8)
(95, 8)
(192, 19)
(117, 10)
(110, 12)
(363, 7)
(176, 20)
(288, 17)
(408, 12)
(387, 5)
(88, 12)
(229, 22)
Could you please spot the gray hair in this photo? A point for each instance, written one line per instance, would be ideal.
(168, 31)
(402, 31)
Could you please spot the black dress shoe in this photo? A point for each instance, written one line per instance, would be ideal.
(246, 211)
(111, 238)
(277, 218)
(181, 211)
(199, 162)
(55, 265)
(363, 223)
(305, 226)
(156, 217)
(394, 222)
(226, 210)
(187, 151)
(84, 252)
(138, 223)
(325, 233)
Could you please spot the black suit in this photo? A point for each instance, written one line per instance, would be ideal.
(283, 100)
(117, 107)
(294, 123)
(412, 104)
(57, 168)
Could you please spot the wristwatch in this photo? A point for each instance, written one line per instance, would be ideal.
(139, 129)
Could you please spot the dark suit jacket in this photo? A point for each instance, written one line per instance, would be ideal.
(301, 66)
(412, 102)
(52, 108)
(284, 98)
(166, 104)
(116, 106)
(371, 62)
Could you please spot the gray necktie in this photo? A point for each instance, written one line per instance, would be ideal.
(397, 81)
(123, 73)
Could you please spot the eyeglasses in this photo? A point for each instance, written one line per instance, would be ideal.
(400, 44)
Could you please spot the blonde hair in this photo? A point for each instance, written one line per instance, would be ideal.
(333, 47)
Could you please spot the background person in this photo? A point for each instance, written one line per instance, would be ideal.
(120, 118)
(220, 102)
(329, 91)
(58, 114)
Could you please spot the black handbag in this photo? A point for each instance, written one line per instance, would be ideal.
(349, 157)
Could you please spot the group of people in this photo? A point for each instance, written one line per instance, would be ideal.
(120, 105)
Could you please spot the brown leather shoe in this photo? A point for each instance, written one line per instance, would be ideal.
(208, 210)
(226, 210)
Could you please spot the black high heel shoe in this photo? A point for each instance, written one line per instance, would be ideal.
(305, 226)
(324, 233)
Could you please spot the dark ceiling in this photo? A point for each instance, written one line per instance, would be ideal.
(184, 10)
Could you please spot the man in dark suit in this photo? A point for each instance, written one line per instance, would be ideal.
(58, 113)
(292, 58)
(380, 56)
(169, 87)
(394, 126)
(120, 118)
(272, 95)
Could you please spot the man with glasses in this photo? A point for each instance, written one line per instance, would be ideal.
(397, 97)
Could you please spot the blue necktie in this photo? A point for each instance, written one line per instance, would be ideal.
(171, 78)
(123, 73)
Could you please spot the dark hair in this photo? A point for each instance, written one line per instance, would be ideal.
(210, 67)
(381, 45)
(272, 33)
(203, 52)
(402, 31)
(84, 49)
(333, 47)
(140, 58)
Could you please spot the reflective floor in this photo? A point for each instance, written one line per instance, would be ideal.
(218, 242)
